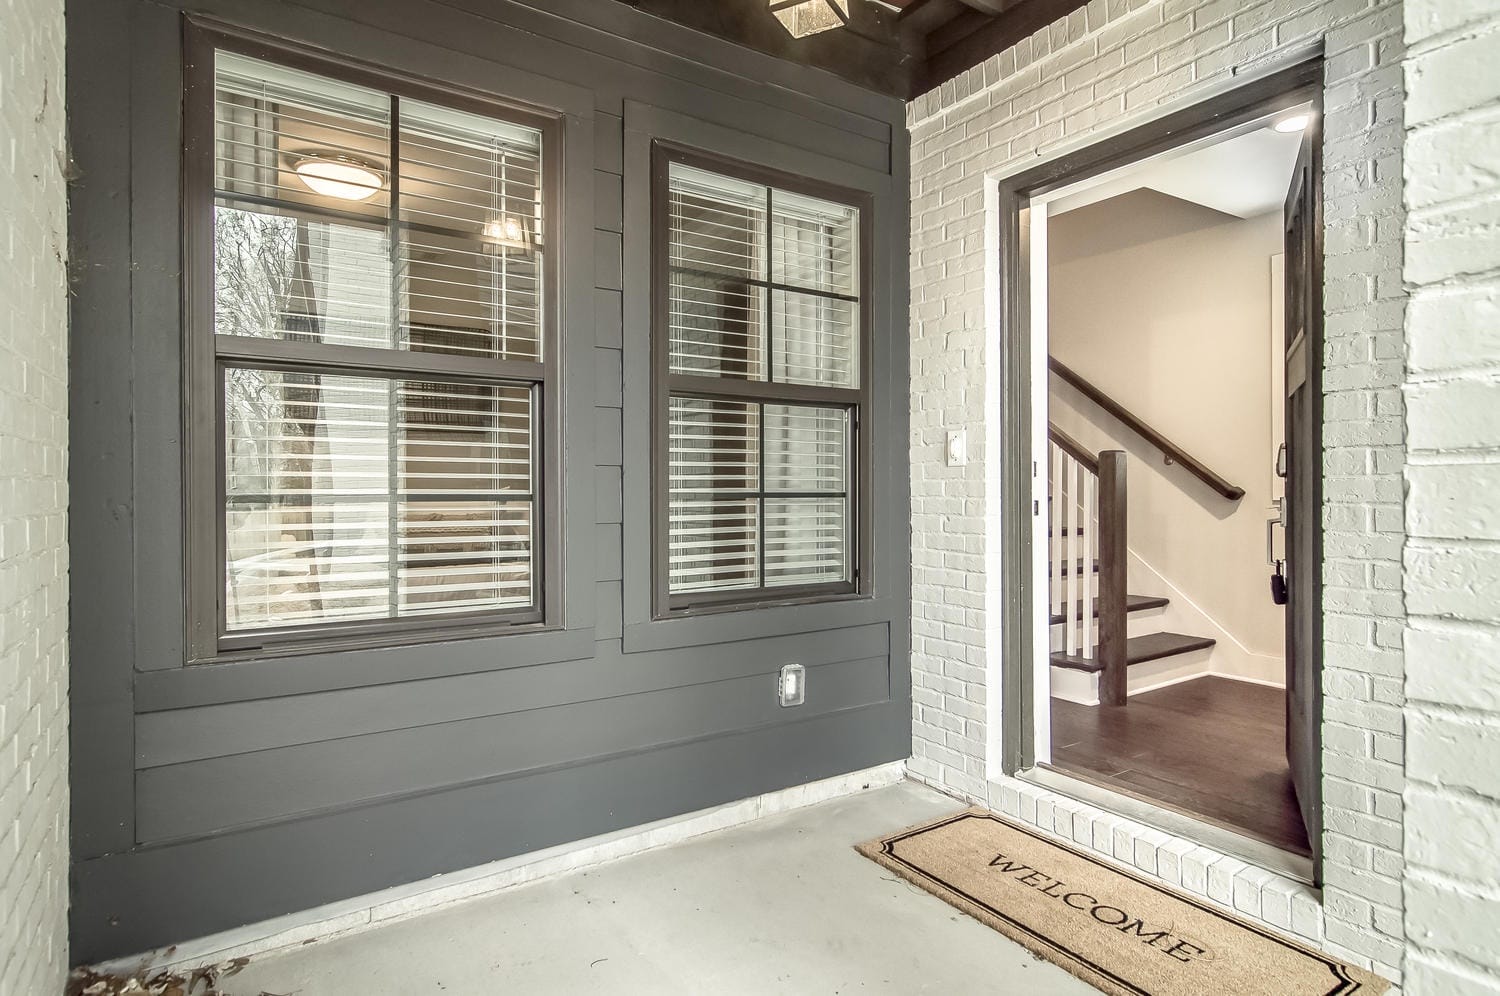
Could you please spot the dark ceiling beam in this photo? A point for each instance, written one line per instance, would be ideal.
(994, 36)
(868, 50)
(991, 6)
(902, 48)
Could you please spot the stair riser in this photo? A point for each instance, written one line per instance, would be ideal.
(1083, 687)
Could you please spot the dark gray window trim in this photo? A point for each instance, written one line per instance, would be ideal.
(665, 385)
(889, 566)
(207, 641)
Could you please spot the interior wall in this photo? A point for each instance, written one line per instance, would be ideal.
(33, 502)
(1452, 706)
(1095, 73)
(1166, 305)
(211, 795)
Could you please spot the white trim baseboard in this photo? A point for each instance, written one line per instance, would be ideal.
(401, 902)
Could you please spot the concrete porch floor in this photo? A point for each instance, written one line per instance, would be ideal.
(782, 905)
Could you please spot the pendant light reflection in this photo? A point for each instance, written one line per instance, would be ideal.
(507, 233)
(1297, 122)
(339, 176)
(808, 17)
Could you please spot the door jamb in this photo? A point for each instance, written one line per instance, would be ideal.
(1298, 84)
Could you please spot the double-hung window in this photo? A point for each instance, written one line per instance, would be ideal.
(760, 387)
(369, 334)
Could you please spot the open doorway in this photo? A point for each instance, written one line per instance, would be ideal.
(1170, 286)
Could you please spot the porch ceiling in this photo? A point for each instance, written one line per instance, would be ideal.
(898, 47)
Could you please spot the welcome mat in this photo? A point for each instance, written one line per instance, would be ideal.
(1112, 929)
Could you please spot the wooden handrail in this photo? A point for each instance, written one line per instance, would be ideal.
(1170, 450)
(1073, 448)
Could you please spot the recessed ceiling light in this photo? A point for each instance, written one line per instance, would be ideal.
(1297, 122)
(339, 176)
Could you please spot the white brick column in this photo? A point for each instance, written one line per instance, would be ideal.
(1110, 65)
(1453, 496)
(33, 502)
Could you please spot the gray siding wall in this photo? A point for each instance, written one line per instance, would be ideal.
(213, 795)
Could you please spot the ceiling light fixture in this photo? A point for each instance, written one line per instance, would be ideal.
(808, 17)
(1297, 122)
(339, 176)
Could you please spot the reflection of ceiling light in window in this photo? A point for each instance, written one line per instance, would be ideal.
(507, 229)
(808, 17)
(1297, 122)
(339, 176)
(507, 234)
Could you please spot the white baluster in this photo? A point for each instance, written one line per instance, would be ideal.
(1090, 547)
(1055, 527)
(1070, 558)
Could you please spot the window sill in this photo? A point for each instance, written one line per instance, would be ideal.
(722, 624)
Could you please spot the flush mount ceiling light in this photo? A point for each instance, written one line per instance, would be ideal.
(808, 17)
(339, 176)
(1297, 122)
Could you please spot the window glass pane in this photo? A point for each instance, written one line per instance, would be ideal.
(351, 497)
(717, 224)
(268, 119)
(807, 449)
(816, 340)
(806, 541)
(472, 231)
(302, 228)
(283, 277)
(814, 244)
(713, 515)
(716, 326)
(807, 455)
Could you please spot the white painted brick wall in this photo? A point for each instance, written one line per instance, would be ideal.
(1111, 64)
(1453, 496)
(33, 502)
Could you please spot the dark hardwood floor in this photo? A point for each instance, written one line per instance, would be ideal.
(1212, 747)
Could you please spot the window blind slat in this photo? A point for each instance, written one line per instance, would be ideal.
(320, 522)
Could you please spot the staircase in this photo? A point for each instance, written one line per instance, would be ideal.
(1087, 556)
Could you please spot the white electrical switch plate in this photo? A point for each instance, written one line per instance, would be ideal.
(793, 687)
(958, 448)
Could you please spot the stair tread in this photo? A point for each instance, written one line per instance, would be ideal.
(1076, 567)
(1138, 650)
(1133, 603)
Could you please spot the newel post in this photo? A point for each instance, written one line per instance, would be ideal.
(1112, 564)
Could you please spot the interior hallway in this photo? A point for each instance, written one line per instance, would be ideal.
(780, 905)
(1212, 747)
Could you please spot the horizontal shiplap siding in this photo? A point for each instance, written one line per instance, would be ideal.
(292, 781)
(177, 736)
(183, 800)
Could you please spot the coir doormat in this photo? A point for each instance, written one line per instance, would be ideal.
(1121, 933)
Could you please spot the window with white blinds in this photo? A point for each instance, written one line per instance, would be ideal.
(760, 319)
(378, 344)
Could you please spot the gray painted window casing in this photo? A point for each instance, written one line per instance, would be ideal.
(207, 355)
(665, 386)
(420, 757)
(885, 567)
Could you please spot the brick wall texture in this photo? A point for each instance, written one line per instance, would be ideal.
(33, 502)
(1452, 581)
(1111, 64)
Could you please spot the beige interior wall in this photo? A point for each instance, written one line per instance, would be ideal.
(1166, 306)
